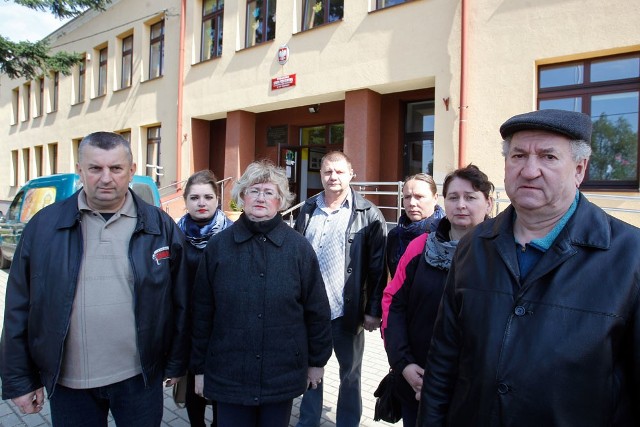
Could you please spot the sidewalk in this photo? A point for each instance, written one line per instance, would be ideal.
(373, 370)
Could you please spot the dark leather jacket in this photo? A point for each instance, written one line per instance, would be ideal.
(365, 266)
(42, 284)
(559, 348)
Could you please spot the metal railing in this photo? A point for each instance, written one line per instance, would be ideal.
(629, 211)
(366, 188)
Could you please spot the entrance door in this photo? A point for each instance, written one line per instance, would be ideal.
(290, 158)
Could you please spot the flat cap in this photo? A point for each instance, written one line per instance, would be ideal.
(568, 123)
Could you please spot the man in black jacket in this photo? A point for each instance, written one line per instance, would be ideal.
(540, 321)
(97, 298)
(348, 234)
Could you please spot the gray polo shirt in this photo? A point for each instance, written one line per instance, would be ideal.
(100, 348)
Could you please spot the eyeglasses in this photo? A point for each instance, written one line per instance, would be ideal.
(267, 194)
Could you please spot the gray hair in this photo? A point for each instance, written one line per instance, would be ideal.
(262, 172)
(580, 149)
(105, 141)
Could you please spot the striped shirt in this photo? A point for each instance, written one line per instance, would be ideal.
(327, 232)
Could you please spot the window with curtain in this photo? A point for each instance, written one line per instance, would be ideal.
(156, 50)
(40, 106)
(82, 70)
(261, 21)
(212, 16)
(608, 89)
(381, 4)
(319, 12)
(127, 62)
(154, 169)
(102, 72)
(56, 86)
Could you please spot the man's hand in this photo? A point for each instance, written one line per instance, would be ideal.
(199, 385)
(413, 374)
(371, 323)
(30, 403)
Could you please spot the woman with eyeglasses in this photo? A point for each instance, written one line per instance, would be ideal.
(411, 300)
(261, 318)
(203, 220)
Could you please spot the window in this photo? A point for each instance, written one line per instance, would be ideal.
(318, 12)
(54, 91)
(127, 62)
(323, 135)
(212, 14)
(26, 101)
(37, 158)
(381, 4)
(102, 72)
(53, 158)
(608, 89)
(261, 21)
(419, 137)
(15, 103)
(126, 134)
(82, 70)
(14, 168)
(40, 100)
(154, 170)
(156, 50)
(26, 165)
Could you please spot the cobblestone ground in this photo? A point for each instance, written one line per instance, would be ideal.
(374, 369)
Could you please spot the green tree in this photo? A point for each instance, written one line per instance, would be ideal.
(615, 150)
(30, 59)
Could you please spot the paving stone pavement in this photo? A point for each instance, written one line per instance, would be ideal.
(373, 370)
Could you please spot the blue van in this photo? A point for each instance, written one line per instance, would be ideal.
(43, 191)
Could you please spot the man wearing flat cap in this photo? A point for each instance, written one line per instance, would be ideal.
(540, 321)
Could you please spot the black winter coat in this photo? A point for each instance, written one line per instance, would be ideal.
(410, 303)
(559, 348)
(42, 284)
(260, 316)
(365, 266)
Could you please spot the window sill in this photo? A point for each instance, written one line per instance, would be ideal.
(327, 24)
(150, 80)
(99, 96)
(204, 61)
(255, 46)
(77, 103)
(122, 89)
(392, 6)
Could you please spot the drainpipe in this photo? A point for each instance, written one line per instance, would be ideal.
(183, 9)
(462, 128)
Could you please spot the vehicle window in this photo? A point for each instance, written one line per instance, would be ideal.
(12, 213)
(36, 199)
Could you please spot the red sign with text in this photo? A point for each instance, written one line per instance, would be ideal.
(283, 81)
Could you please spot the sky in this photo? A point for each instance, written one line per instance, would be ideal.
(19, 23)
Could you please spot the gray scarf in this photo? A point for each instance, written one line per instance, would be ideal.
(438, 252)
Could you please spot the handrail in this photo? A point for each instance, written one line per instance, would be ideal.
(500, 199)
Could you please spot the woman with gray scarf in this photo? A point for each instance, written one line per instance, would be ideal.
(410, 302)
(203, 220)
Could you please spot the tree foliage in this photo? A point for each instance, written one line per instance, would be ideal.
(615, 150)
(31, 59)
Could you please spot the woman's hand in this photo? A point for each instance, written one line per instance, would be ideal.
(199, 385)
(413, 374)
(168, 382)
(314, 377)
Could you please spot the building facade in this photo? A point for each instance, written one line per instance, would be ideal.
(400, 86)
